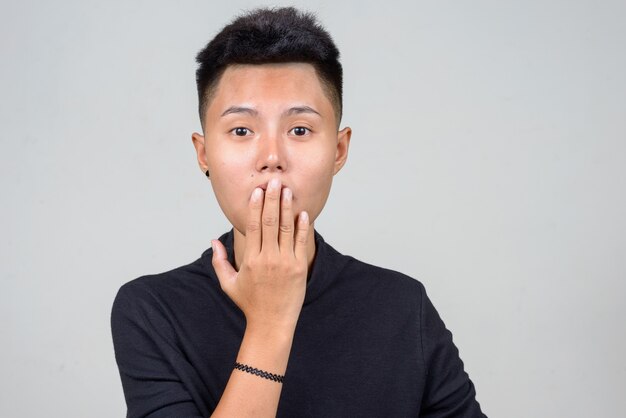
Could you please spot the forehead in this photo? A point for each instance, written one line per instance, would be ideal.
(269, 85)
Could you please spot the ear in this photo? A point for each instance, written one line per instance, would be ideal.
(343, 143)
(198, 143)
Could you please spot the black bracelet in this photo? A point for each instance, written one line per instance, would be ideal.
(267, 375)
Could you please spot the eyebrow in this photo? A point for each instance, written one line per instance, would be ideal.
(295, 110)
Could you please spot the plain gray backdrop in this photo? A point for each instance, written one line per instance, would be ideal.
(487, 160)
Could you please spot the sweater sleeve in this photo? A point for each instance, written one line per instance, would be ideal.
(144, 351)
(448, 392)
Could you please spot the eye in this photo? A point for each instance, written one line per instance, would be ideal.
(240, 131)
(300, 130)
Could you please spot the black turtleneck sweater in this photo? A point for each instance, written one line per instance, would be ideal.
(368, 343)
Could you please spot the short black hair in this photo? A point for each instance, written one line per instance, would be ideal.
(271, 35)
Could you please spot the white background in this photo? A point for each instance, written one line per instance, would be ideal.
(488, 160)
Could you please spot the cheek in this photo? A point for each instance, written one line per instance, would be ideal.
(229, 177)
(230, 165)
(315, 175)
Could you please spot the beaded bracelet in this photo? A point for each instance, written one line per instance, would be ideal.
(252, 370)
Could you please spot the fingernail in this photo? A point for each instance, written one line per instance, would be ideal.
(286, 193)
(305, 217)
(274, 183)
(256, 194)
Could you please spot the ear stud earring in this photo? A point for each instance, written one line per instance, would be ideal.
(207, 173)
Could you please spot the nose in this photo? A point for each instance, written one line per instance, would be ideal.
(271, 154)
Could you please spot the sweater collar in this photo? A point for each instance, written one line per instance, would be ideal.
(323, 270)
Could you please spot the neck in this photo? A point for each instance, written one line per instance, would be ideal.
(239, 244)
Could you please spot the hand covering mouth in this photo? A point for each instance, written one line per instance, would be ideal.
(264, 185)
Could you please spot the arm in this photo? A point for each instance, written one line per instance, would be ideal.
(449, 392)
(149, 361)
(269, 288)
(248, 395)
(151, 366)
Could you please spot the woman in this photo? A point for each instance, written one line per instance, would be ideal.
(272, 321)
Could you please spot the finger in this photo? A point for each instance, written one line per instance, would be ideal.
(285, 235)
(226, 274)
(253, 225)
(270, 216)
(302, 235)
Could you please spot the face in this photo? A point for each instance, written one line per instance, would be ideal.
(271, 121)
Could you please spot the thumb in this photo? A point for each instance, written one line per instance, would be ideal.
(226, 274)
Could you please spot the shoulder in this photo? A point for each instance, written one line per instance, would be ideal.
(167, 287)
(373, 278)
(391, 278)
(379, 273)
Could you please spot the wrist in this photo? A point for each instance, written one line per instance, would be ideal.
(273, 332)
